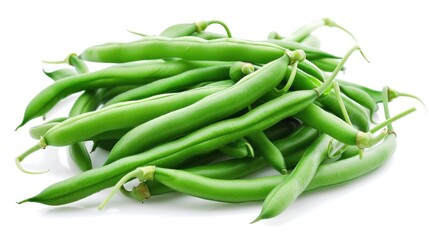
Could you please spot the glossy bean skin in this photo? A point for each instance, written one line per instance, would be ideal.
(375, 95)
(192, 48)
(77, 151)
(361, 97)
(111, 135)
(326, 64)
(189, 48)
(121, 116)
(175, 152)
(101, 97)
(286, 192)
(174, 83)
(326, 122)
(202, 113)
(245, 190)
(357, 114)
(264, 147)
(291, 147)
(312, 53)
(311, 69)
(125, 74)
(38, 131)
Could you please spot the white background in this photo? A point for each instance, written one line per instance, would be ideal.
(390, 202)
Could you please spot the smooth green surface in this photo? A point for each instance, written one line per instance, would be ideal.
(202, 113)
(122, 116)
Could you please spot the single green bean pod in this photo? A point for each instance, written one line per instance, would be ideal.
(285, 193)
(174, 83)
(189, 48)
(268, 150)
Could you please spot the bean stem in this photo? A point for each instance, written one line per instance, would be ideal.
(21, 157)
(142, 173)
(341, 103)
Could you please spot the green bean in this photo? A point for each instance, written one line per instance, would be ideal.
(274, 35)
(82, 127)
(204, 112)
(326, 64)
(312, 53)
(357, 114)
(361, 97)
(311, 41)
(77, 151)
(125, 74)
(209, 35)
(173, 83)
(107, 144)
(286, 192)
(303, 32)
(282, 129)
(239, 148)
(377, 95)
(311, 69)
(121, 116)
(84, 103)
(328, 123)
(60, 74)
(229, 169)
(189, 48)
(245, 190)
(240, 69)
(187, 29)
(268, 151)
(38, 131)
(110, 135)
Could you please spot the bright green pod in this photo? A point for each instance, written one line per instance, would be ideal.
(174, 83)
(187, 29)
(118, 75)
(121, 116)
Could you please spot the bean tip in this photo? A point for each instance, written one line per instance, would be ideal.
(256, 219)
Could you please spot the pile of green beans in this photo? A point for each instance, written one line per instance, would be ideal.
(199, 112)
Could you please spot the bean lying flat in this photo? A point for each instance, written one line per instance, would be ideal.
(121, 116)
(126, 74)
(174, 83)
